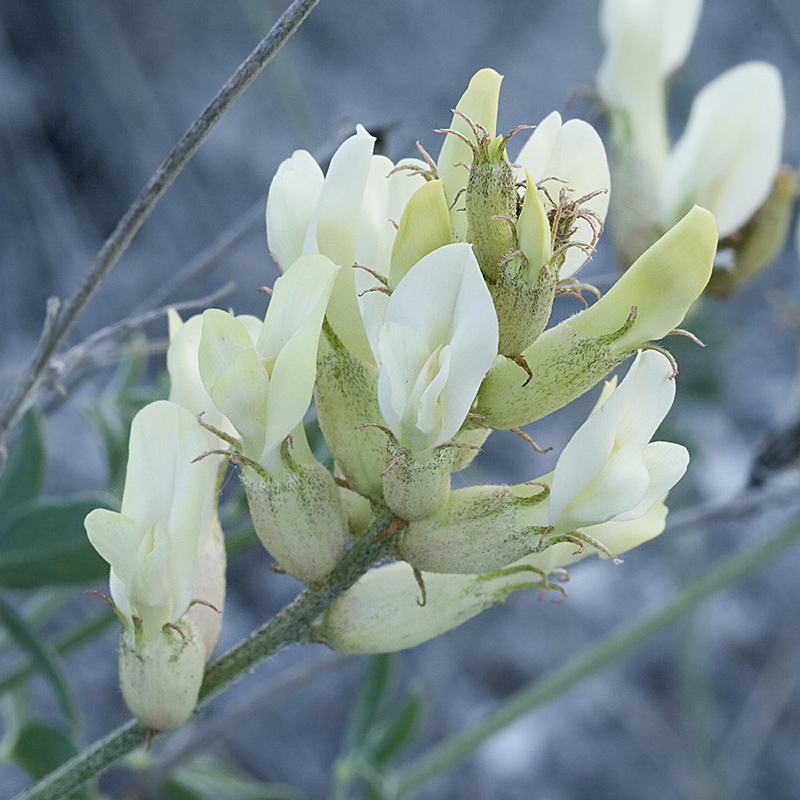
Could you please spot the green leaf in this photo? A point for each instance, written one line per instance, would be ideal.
(43, 656)
(206, 779)
(22, 479)
(41, 748)
(399, 731)
(371, 700)
(44, 543)
(115, 446)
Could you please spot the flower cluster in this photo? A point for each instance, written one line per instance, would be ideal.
(413, 308)
(728, 158)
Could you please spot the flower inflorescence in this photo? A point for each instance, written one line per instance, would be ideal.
(417, 328)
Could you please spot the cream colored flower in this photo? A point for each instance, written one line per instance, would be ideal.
(610, 469)
(153, 545)
(264, 387)
(438, 339)
(349, 216)
(729, 154)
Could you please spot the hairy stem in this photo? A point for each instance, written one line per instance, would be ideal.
(61, 320)
(290, 625)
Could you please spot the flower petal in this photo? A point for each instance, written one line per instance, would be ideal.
(334, 225)
(234, 377)
(292, 199)
(445, 299)
(618, 487)
(585, 454)
(650, 391)
(290, 336)
(570, 156)
(646, 40)
(479, 102)
(666, 464)
(731, 149)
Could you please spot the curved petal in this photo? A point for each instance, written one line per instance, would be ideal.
(617, 535)
(444, 298)
(385, 197)
(334, 225)
(424, 227)
(150, 474)
(666, 464)
(585, 454)
(676, 22)
(153, 546)
(234, 377)
(403, 352)
(292, 199)
(116, 537)
(428, 391)
(570, 156)
(662, 283)
(535, 154)
(649, 397)
(731, 149)
(630, 78)
(290, 339)
(186, 385)
(618, 487)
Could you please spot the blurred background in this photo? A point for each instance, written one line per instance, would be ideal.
(93, 96)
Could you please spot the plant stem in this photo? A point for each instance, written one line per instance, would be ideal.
(60, 321)
(451, 751)
(290, 625)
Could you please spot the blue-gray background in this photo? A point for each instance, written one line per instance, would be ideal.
(94, 94)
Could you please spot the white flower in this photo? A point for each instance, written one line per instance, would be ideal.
(610, 469)
(153, 545)
(730, 152)
(646, 41)
(186, 385)
(264, 388)
(569, 156)
(438, 339)
(348, 216)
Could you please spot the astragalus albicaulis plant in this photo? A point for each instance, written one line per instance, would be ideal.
(413, 308)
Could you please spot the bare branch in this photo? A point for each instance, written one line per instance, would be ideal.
(53, 335)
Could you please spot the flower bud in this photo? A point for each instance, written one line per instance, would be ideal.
(481, 528)
(346, 398)
(525, 287)
(491, 203)
(479, 104)
(298, 514)
(645, 304)
(388, 608)
(160, 678)
(383, 611)
(415, 487)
